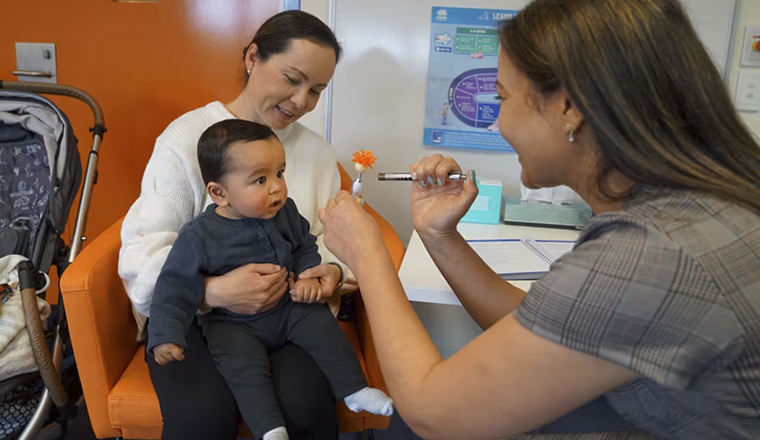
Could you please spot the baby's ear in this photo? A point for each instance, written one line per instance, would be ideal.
(217, 193)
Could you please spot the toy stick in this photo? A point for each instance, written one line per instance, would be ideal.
(362, 160)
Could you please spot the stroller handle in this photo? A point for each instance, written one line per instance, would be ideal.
(55, 89)
(40, 350)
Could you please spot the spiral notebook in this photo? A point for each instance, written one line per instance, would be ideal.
(520, 259)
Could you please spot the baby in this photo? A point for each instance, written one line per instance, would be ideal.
(252, 220)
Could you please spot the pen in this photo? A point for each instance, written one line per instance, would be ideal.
(408, 177)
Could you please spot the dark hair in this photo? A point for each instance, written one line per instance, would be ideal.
(214, 144)
(647, 89)
(276, 34)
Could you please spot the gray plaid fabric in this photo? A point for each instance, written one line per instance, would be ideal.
(670, 289)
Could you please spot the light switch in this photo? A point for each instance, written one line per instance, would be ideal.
(748, 91)
(35, 62)
(751, 47)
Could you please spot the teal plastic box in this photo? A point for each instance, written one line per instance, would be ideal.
(487, 207)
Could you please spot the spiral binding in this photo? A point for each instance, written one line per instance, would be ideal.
(539, 250)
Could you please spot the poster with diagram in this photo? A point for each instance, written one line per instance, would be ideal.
(461, 106)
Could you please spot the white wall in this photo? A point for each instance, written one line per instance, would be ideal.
(749, 15)
(316, 119)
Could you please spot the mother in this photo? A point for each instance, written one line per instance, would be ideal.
(288, 64)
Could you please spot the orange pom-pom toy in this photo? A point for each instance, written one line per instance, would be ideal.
(363, 160)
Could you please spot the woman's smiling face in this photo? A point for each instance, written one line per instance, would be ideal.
(287, 85)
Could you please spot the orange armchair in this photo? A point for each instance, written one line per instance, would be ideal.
(117, 387)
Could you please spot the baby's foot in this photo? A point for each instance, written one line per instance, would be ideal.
(371, 400)
(277, 434)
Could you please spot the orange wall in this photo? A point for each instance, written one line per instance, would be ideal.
(145, 63)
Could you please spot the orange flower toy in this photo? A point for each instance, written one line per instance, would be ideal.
(362, 160)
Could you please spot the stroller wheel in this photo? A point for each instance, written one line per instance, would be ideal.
(17, 408)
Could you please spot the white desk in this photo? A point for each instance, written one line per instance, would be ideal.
(447, 323)
(424, 283)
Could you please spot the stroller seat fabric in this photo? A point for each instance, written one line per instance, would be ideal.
(24, 188)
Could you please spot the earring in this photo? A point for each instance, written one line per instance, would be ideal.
(249, 71)
(570, 134)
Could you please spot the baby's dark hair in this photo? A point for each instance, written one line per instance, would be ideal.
(218, 138)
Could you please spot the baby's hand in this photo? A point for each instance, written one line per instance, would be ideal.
(165, 353)
(306, 290)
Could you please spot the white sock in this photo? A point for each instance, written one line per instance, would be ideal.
(371, 400)
(277, 434)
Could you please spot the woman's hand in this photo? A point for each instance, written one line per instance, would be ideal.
(328, 276)
(248, 289)
(349, 231)
(438, 203)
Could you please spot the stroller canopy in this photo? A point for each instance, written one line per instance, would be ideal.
(40, 173)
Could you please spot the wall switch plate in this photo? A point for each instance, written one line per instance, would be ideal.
(38, 60)
(748, 91)
(751, 47)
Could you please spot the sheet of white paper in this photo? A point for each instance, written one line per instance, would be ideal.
(513, 257)
(557, 248)
(508, 256)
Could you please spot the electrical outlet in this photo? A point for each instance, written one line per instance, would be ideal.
(748, 91)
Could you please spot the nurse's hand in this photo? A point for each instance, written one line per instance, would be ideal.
(438, 203)
(349, 231)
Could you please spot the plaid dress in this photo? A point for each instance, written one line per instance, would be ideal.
(670, 289)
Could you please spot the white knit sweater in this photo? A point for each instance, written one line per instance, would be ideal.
(172, 193)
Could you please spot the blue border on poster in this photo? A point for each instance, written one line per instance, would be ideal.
(435, 137)
(460, 106)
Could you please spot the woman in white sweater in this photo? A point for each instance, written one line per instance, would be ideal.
(288, 64)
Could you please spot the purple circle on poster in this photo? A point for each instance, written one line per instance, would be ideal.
(472, 97)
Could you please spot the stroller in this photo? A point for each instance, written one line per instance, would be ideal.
(40, 176)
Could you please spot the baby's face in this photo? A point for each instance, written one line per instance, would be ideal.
(255, 185)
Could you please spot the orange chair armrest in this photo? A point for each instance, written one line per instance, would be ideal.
(102, 327)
